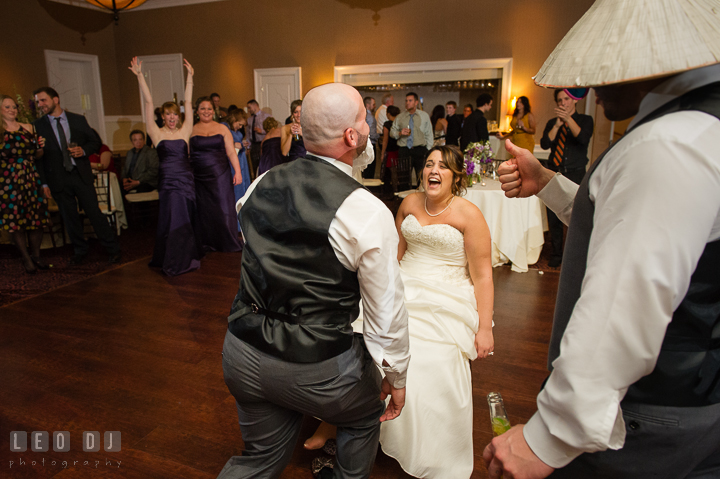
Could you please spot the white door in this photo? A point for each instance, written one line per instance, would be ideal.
(164, 76)
(276, 88)
(76, 78)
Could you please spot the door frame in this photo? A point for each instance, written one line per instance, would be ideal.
(260, 73)
(453, 70)
(52, 59)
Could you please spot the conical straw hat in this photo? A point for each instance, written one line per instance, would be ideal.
(629, 40)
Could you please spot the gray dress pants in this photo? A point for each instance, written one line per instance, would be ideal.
(273, 395)
(660, 442)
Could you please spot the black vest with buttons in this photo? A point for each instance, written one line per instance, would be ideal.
(687, 372)
(296, 300)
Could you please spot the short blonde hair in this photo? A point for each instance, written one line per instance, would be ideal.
(270, 123)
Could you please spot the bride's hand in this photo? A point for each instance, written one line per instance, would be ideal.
(484, 343)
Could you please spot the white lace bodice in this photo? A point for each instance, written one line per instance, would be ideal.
(436, 251)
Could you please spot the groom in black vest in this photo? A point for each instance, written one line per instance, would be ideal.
(634, 388)
(315, 241)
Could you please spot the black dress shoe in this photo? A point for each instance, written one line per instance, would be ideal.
(114, 258)
(31, 270)
(77, 259)
(40, 264)
(555, 262)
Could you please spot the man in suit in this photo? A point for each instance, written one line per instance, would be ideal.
(66, 174)
(455, 122)
(140, 173)
(475, 127)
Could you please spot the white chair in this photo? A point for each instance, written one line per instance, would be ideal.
(105, 197)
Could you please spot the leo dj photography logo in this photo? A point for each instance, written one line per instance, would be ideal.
(39, 441)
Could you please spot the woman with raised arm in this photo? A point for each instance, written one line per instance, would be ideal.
(177, 243)
(211, 146)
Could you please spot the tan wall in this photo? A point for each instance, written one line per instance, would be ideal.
(226, 40)
(32, 26)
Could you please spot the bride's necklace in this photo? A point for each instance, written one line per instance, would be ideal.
(443, 211)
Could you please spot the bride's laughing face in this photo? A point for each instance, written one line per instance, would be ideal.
(437, 177)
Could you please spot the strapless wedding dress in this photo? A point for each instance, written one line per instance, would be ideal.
(432, 437)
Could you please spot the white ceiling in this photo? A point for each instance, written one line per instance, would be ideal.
(149, 4)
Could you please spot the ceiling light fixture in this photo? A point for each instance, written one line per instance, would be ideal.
(116, 6)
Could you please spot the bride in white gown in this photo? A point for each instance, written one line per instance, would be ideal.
(445, 264)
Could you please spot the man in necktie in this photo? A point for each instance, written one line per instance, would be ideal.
(567, 136)
(66, 174)
(413, 130)
(255, 133)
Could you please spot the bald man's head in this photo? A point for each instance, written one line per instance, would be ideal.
(329, 110)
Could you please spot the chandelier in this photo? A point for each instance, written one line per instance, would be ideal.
(116, 6)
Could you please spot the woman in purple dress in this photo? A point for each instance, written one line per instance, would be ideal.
(177, 245)
(271, 149)
(211, 146)
(291, 141)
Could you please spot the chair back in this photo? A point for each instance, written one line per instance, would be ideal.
(404, 168)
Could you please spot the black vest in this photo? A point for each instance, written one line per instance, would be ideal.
(687, 372)
(296, 300)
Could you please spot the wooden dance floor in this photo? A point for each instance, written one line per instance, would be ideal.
(133, 351)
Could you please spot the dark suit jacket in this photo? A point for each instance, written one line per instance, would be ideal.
(475, 129)
(50, 166)
(454, 129)
(146, 166)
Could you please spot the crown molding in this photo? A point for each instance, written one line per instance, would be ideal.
(148, 5)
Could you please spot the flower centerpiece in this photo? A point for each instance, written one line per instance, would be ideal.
(478, 156)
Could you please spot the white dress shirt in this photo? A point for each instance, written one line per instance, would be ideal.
(381, 118)
(421, 124)
(365, 240)
(657, 204)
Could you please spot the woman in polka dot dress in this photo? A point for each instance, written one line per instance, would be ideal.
(23, 211)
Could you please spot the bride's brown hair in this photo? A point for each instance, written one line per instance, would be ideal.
(453, 159)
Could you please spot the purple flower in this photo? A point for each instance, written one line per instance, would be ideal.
(470, 167)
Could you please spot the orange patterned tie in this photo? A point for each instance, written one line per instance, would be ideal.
(557, 159)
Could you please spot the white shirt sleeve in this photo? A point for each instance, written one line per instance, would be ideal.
(656, 207)
(427, 130)
(559, 195)
(365, 240)
(381, 118)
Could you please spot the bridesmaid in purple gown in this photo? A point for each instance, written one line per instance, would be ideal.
(211, 145)
(177, 245)
(271, 148)
(291, 141)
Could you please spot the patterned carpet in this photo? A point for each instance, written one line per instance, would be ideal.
(16, 284)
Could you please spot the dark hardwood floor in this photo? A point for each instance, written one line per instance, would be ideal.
(132, 351)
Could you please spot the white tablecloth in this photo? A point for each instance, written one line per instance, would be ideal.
(516, 224)
(118, 202)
